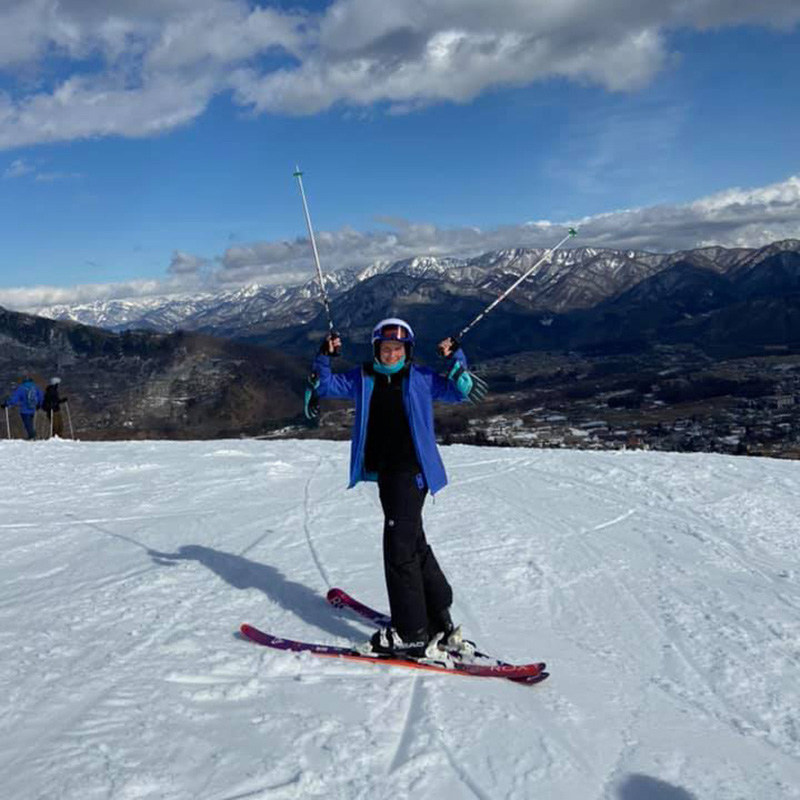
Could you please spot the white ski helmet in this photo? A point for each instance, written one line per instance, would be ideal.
(394, 330)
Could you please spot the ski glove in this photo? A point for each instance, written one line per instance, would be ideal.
(325, 347)
(453, 343)
(470, 385)
(311, 398)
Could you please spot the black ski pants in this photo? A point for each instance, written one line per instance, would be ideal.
(417, 587)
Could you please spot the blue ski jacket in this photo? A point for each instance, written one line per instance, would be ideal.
(28, 396)
(420, 388)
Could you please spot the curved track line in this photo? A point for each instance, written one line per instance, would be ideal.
(307, 529)
(413, 711)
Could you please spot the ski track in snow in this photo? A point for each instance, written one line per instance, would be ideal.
(662, 590)
(413, 712)
(308, 520)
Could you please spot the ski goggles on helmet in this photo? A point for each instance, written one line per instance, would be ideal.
(393, 330)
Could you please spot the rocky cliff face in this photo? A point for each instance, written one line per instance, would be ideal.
(145, 385)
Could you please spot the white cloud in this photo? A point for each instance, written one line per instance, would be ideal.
(34, 296)
(21, 166)
(82, 107)
(17, 168)
(422, 51)
(160, 64)
(452, 65)
(733, 218)
(183, 264)
(52, 177)
(141, 67)
(23, 32)
(778, 195)
(222, 35)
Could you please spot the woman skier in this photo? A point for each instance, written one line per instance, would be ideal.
(393, 443)
(28, 396)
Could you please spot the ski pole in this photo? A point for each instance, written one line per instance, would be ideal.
(325, 299)
(52, 414)
(546, 257)
(8, 424)
(69, 420)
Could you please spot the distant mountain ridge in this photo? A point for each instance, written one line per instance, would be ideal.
(140, 384)
(248, 377)
(582, 296)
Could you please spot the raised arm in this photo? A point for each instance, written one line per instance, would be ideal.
(329, 384)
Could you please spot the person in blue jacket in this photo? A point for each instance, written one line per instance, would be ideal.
(393, 443)
(28, 396)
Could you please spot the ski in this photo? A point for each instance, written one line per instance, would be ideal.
(340, 599)
(528, 673)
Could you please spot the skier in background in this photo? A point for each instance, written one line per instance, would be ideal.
(393, 443)
(28, 396)
(52, 407)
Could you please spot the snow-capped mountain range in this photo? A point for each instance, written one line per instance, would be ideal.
(240, 307)
(574, 279)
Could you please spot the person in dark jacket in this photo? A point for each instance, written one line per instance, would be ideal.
(28, 396)
(52, 407)
(393, 443)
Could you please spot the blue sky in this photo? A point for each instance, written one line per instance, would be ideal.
(152, 151)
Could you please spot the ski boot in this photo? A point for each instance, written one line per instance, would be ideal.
(414, 647)
(449, 636)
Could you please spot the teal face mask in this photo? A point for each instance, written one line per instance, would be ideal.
(390, 370)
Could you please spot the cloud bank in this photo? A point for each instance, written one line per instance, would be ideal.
(732, 218)
(75, 69)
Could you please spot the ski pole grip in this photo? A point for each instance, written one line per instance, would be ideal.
(453, 343)
(335, 351)
(326, 347)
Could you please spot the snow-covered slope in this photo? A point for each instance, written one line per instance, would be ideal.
(662, 589)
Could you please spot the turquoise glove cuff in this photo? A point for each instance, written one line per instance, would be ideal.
(311, 398)
(472, 387)
(461, 378)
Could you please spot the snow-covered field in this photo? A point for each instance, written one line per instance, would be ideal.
(661, 589)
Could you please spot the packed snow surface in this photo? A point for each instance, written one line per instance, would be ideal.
(662, 590)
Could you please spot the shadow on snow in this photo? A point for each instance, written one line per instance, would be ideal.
(643, 787)
(241, 573)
